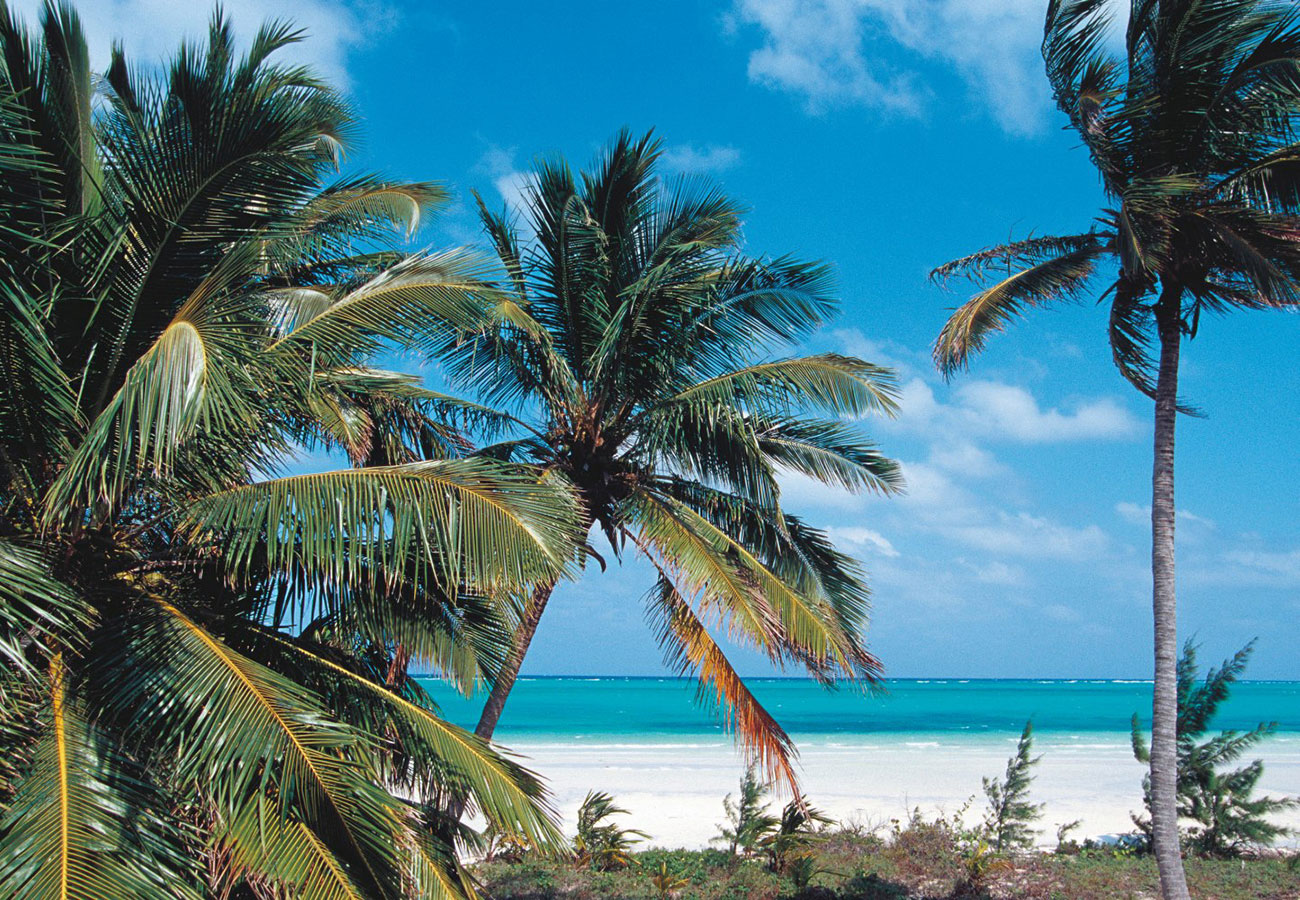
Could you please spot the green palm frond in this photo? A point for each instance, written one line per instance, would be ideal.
(249, 733)
(832, 452)
(508, 795)
(194, 376)
(830, 381)
(731, 581)
(416, 302)
(288, 853)
(470, 521)
(39, 614)
(1044, 272)
(185, 297)
(69, 833)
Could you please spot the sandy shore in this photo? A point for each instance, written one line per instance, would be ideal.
(674, 791)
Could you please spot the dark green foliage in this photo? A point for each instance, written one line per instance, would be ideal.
(1194, 136)
(749, 824)
(1010, 815)
(199, 684)
(788, 846)
(599, 843)
(1227, 818)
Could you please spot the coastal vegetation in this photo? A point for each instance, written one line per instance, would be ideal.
(1011, 816)
(921, 860)
(751, 828)
(600, 843)
(1192, 132)
(1227, 818)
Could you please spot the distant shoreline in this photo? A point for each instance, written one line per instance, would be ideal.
(931, 679)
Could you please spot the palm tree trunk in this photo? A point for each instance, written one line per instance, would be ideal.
(1164, 709)
(496, 701)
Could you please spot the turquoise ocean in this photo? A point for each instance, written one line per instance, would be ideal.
(918, 744)
(652, 710)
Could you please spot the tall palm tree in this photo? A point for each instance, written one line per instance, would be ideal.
(194, 646)
(636, 366)
(1193, 135)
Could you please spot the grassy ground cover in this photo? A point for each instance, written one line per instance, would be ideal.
(919, 861)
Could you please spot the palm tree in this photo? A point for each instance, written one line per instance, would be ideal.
(1192, 133)
(634, 365)
(193, 644)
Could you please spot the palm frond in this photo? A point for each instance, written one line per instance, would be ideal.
(830, 381)
(69, 832)
(688, 647)
(508, 795)
(1034, 281)
(473, 522)
(39, 614)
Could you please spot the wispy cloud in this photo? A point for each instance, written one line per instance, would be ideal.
(1001, 412)
(511, 182)
(1269, 567)
(814, 49)
(709, 159)
(151, 30)
(1136, 514)
(864, 539)
(834, 52)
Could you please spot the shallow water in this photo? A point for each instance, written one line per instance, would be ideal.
(923, 743)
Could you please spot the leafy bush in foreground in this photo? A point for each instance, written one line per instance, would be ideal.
(1228, 819)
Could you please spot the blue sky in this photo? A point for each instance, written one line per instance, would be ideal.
(885, 136)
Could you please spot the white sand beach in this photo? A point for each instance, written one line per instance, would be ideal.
(674, 791)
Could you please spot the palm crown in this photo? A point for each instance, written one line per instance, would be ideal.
(633, 365)
(1193, 137)
(194, 686)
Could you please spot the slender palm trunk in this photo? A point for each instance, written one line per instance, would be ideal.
(1164, 710)
(496, 701)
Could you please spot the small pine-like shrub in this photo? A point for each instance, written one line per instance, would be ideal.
(1011, 816)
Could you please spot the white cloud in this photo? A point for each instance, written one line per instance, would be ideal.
(1281, 567)
(1062, 613)
(813, 48)
(1000, 573)
(830, 53)
(1009, 413)
(709, 159)
(939, 504)
(151, 30)
(864, 538)
(965, 459)
(1141, 515)
(1026, 535)
(511, 182)
(803, 493)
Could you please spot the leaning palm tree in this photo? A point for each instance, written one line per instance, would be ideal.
(196, 647)
(635, 364)
(1193, 135)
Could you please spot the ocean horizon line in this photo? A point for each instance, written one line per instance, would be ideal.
(918, 679)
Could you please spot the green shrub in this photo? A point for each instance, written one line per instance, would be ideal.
(1010, 814)
(1228, 819)
(749, 824)
(600, 844)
